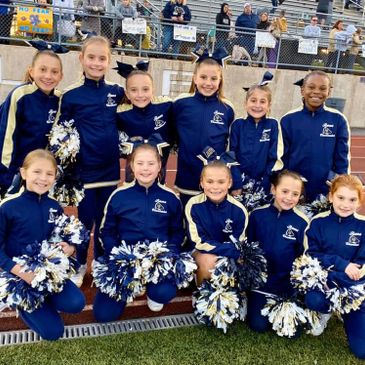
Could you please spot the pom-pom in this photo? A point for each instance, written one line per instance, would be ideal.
(242, 312)
(121, 276)
(123, 149)
(64, 142)
(344, 300)
(184, 269)
(219, 307)
(224, 273)
(319, 205)
(307, 274)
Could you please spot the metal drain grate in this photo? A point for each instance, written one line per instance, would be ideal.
(104, 329)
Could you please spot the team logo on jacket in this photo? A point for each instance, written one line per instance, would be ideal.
(110, 100)
(52, 215)
(217, 118)
(354, 239)
(327, 130)
(158, 121)
(228, 226)
(265, 137)
(51, 116)
(290, 232)
(159, 206)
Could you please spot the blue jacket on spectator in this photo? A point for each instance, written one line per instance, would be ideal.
(247, 21)
(173, 9)
(3, 8)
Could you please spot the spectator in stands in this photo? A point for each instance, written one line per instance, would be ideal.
(332, 53)
(276, 30)
(245, 28)
(64, 18)
(282, 21)
(174, 12)
(91, 20)
(312, 30)
(263, 24)
(355, 44)
(6, 16)
(324, 11)
(146, 11)
(343, 40)
(223, 21)
(124, 9)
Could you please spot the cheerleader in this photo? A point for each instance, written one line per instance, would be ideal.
(279, 228)
(28, 112)
(316, 138)
(92, 103)
(138, 211)
(202, 118)
(337, 239)
(27, 218)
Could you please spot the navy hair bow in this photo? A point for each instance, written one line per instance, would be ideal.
(124, 69)
(209, 155)
(42, 45)
(220, 55)
(266, 79)
(299, 82)
(154, 140)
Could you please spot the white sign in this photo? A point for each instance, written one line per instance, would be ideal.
(265, 39)
(134, 26)
(308, 46)
(185, 33)
(363, 50)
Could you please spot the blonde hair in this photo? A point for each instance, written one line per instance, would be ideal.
(264, 88)
(209, 62)
(349, 181)
(216, 164)
(38, 54)
(36, 155)
(96, 39)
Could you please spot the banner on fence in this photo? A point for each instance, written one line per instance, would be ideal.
(265, 39)
(134, 26)
(308, 46)
(185, 33)
(34, 19)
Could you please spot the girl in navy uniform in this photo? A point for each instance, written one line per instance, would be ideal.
(256, 140)
(316, 138)
(337, 239)
(27, 114)
(202, 118)
(92, 103)
(29, 217)
(141, 114)
(141, 210)
(212, 217)
(279, 229)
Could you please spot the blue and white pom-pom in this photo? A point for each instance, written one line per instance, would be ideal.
(64, 142)
(242, 312)
(319, 205)
(307, 274)
(224, 273)
(344, 300)
(184, 269)
(123, 149)
(216, 306)
(120, 277)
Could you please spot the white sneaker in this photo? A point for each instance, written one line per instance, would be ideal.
(323, 320)
(154, 306)
(78, 278)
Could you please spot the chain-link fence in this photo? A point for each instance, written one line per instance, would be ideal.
(150, 36)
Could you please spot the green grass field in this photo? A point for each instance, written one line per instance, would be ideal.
(190, 345)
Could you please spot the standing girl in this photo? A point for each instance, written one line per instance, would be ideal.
(202, 118)
(28, 218)
(212, 218)
(27, 114)
(139, 211)
(316, 138)
(256, 140)
(142, 114)
(337, 239)
(92, 103)
(279, 229)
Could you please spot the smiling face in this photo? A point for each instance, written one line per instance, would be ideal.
(216, 182)
(207, 78)
(287, 193)
(345, 201)
(95, 60)
(46, 72)
(258, 104)
(139, 90)
(315, 91)
(39, 176)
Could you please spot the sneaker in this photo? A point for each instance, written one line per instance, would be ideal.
(78, 278)
(154, 306)
(3, 306)
(323, 320)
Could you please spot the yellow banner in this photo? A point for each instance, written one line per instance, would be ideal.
(34, 19)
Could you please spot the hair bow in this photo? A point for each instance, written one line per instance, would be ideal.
(42, 45)
(209, 155)
(220, 55)
(154, 140)
(266, 79)
(299, 82)
(124, 69)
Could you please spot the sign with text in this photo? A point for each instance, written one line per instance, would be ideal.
(265, 39)
(34, 19)
(134, 26)
(308, 46)
(185, 33)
